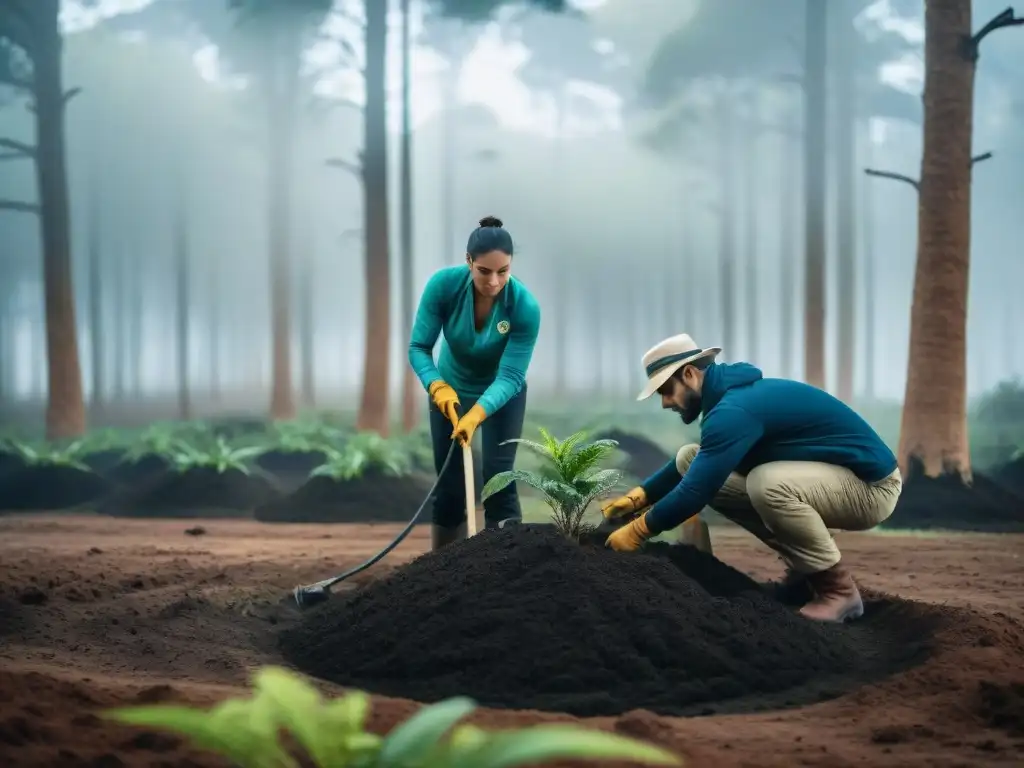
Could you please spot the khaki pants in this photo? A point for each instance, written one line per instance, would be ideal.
(792, 505)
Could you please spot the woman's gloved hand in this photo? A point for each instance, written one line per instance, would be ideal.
(632, 502)
(467, 425)
(446, 400)
(631, 536)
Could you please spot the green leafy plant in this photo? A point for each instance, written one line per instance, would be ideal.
(332, 733)
(365, 451)
(165, 440)
(220, 456)
(47, 455)
(306, 436)
(569, 479)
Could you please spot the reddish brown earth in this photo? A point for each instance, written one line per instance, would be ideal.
(96, 612)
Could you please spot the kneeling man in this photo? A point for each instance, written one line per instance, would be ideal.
(784, 460)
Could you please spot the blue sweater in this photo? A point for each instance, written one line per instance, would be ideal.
(749, 420)
(488, 365)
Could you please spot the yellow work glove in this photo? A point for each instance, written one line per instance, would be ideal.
(631, 536)
(467, 425)
(633, 501)
(446, 400)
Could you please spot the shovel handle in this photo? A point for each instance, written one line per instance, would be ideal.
(469, 482)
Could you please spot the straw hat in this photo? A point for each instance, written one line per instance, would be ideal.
(668, 356)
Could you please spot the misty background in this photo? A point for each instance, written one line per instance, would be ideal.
(604, 169)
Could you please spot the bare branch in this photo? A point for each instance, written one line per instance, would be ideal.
(336, 162)
(19, 206)
(971, 46)
(981, 158)
(19, 147)
(69, 95)
(894, 177)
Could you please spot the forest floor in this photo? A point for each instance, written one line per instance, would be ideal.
(98, 612)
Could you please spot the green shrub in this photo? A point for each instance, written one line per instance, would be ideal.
(219, 456)
(331, 733)
(569, 478)
(364, 452)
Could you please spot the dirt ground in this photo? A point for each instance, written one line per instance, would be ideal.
(96, 612)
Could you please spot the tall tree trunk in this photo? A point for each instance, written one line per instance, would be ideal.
(182, 279)
(280, 102)
(411, 389)
(65, 411)
(846, 206)
(934, 424)
(788, 210)
(95, 255)
(119, 304)
(373, 404)
(450, 252)
(214, 318)
(815, 171)
(752, 280)
(726, 223)
(137, 314)
(867, 213)
(307, 324)
(558, 266)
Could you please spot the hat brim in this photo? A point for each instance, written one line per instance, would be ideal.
(660, 377)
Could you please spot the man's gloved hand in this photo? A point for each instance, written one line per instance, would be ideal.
(633, 501)
(446, 400)
(467, 425)
(631, 536)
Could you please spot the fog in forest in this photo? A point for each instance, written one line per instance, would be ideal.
(628, 147)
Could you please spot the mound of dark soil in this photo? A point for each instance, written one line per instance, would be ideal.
(523, 618)
(1010, 476)
(10, 462)
(1001, 705)
(945, 502)
(104, 462)
(289, 463)
(645, 457)
(50, 487)
(372, 498)
(141, 470)
(200, 492)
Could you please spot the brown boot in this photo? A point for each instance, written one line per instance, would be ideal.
(441, 536)
(836, 597)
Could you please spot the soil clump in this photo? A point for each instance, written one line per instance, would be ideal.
(522, 618)
(945, 502)
(372, 498)
(130, 472)
(1011, 476)
(43, 487)
(199, 492)
(644, 456)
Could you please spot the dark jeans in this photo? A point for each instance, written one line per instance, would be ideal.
(450, 498)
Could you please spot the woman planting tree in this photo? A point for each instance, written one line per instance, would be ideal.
(490, 323)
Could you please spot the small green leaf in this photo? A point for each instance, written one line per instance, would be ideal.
(423, 731)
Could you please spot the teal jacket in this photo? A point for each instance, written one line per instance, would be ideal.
(489, 365)
(749, 420)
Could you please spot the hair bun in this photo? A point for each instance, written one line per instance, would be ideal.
(491, 221)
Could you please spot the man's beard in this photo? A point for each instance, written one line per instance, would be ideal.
(690, 411)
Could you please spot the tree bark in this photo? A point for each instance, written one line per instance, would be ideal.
(280, 91)
(815, 171)
(65, 411)
(934, 424)
(788, 211)
(182, 279)
(727, 233)
(846, 209)
(750, 198)
(411, 389)
(867, 211)
(373, 405)
(95, 255)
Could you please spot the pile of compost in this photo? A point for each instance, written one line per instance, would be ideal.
(372, 498)
(50, 486)
(1011, 476)
(644, 456)
(136, 471)
(10, 462)
(523, 618)
(944, 502)
(289, 463)
(200, 492)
